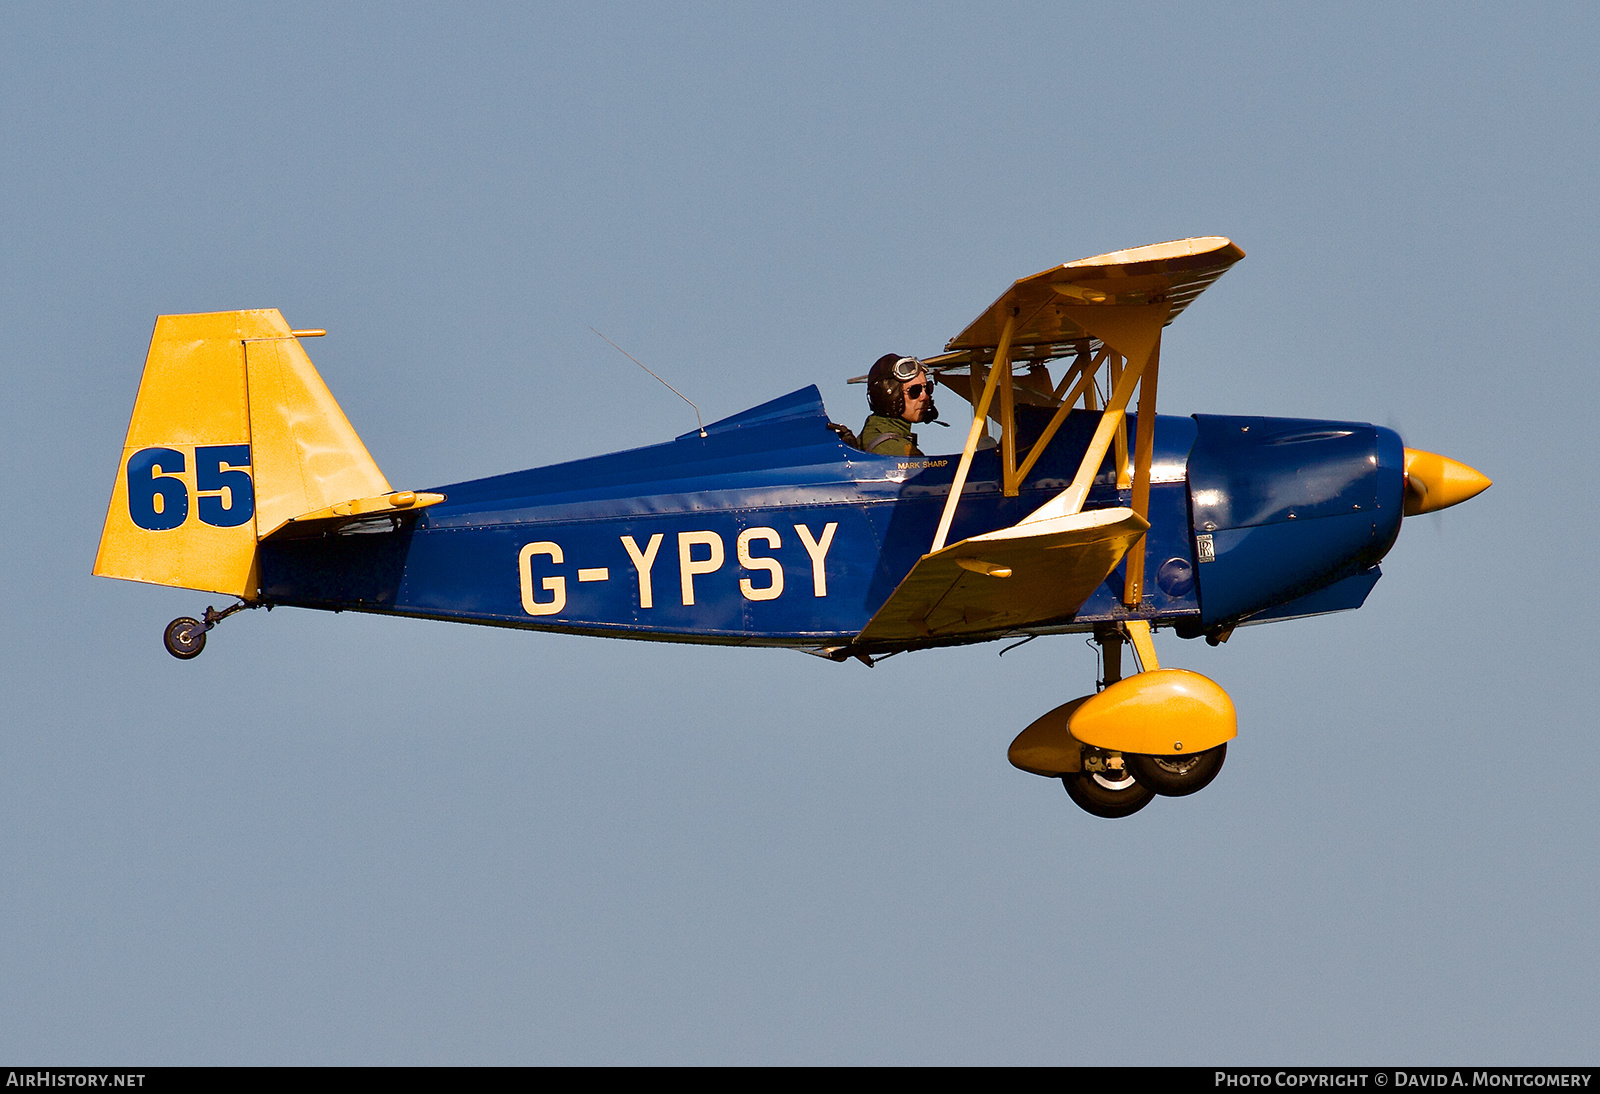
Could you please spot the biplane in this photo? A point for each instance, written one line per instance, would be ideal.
(1072, 507)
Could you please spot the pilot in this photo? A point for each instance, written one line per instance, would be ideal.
(900, 393)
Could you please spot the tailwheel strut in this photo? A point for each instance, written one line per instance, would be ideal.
(185, 637)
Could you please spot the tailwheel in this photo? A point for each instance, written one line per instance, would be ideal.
(184, 638)
(1106, 793)
(1176, 776)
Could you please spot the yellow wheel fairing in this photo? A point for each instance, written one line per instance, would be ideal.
(1163, 712)
(1047, 747)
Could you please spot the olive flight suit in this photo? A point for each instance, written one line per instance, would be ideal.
(887, 436)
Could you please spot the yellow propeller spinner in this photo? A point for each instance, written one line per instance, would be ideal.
(1437, 482)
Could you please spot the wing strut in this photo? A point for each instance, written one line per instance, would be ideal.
(1133, 584)
(980, 413)
(1083, 372)
(1135, 331)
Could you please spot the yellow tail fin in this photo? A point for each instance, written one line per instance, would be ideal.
(233, 434)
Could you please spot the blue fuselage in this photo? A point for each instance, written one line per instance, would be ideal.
(769, 530)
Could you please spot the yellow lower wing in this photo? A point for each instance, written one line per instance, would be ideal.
(1033, 573)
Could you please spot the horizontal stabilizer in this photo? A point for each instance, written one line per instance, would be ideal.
(1019, 576)
(361, 511)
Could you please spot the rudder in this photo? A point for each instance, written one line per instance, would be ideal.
(233, 433)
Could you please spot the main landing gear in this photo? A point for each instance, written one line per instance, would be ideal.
(1177, 776)
(186, 637)
(1106, 789)
(1158, 732)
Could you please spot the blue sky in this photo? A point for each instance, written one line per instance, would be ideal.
(357, 840)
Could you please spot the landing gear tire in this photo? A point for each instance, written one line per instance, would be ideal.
(1106, 796)
(1175, 776)
(184, 638)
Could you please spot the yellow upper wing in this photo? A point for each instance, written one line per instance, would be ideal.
(1177, 271)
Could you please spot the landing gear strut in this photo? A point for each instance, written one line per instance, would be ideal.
(1106, 786)
(1157, 732)
(186, 637)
